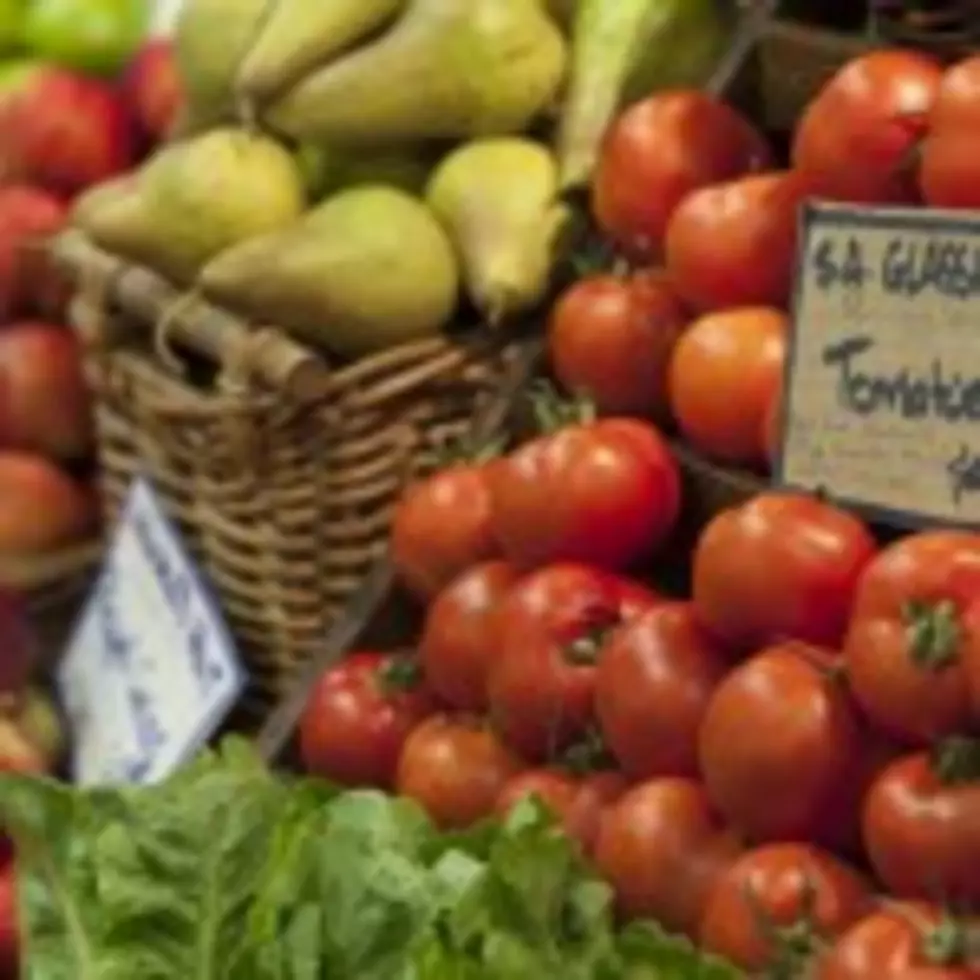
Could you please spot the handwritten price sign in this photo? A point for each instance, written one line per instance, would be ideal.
(151, 671)
(883, 378)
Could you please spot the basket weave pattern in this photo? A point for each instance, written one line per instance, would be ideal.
(280, 473)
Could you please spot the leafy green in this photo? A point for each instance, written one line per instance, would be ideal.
(230, 872)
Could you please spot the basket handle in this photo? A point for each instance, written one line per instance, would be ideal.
(225, 340)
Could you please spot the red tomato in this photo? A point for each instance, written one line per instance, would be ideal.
(722, 377)
(662, 848)
(610, 338)
(659, 151)
(734, 244)
(772, 427)
(605, 492)
(358, 717)
(856, 139)
(781, 566)
(949, 169)
(552, 627)
(459, 641)
(441, 526)
(654, 681)
(10, 958)
(902, 942)
(913, 646)
(758, 910)
(922, 827)
(790, 773)
(455, 768)
(957, 106)
(577, 803)
(635, 598)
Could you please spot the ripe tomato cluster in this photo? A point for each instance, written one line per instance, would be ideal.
(695, 329)
(754, 767)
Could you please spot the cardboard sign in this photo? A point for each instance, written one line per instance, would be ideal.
(882, 405)
(151, 671)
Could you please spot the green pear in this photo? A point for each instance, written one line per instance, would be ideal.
(98, 36)
(446, 69)
(300, 35)
(193, 200)
(211, 38)
(12, 16)
(498, 199)
(368, 269)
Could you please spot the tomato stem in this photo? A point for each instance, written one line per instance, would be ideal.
(589, 754)
(466, 450)
(553, 412)
(399, 673)
(933, 633)
(951, 943)
(957, 760)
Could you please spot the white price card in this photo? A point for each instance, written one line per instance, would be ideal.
(151, 671)
(165, 17)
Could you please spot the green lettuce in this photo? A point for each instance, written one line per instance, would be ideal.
(231, 872)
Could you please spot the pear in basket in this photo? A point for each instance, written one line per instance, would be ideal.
(498, 199)
(300, 35)
(445, 69)
(368, 269)
(196, 199)
(210, 40)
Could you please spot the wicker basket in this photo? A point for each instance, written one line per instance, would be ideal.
(279, 471)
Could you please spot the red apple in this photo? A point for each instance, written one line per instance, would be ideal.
(44, 400)
(63, 131)
(9, 936)
(152, 88)
(29, 282)
(42, 508)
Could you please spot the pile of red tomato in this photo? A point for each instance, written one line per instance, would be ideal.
(694, 328)
(753, 767)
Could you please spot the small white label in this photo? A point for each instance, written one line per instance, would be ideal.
(152, 670)
(165, 17)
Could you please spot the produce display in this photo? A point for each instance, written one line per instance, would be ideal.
(317, 143)
(81, 96)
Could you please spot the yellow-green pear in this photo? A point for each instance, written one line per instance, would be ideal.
(368, 269)
(498, 199)
(446, 69)
(210, 40)
(300, 35)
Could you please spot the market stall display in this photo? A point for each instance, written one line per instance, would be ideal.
(368, 359)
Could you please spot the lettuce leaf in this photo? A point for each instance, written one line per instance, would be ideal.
(230, 872)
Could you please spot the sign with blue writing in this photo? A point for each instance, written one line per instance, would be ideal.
(151, 671)
(882, 404)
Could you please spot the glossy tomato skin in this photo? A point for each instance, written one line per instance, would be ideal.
(455, 769)
(922, 834)
(577, 802)
(913, 646)
(605, 492)
(662, 848)
(459, 639)
(957, 105)
(734, 244)
(781, 566)
(441, 526)
(856, 139)
(551, 628)
(722, 376)
(949, 169)
(657, 152)
(892, 944)
(358, 717)
(778, 885)
(654, 682)
(610, 338)
(635, 598)
(791, 773)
